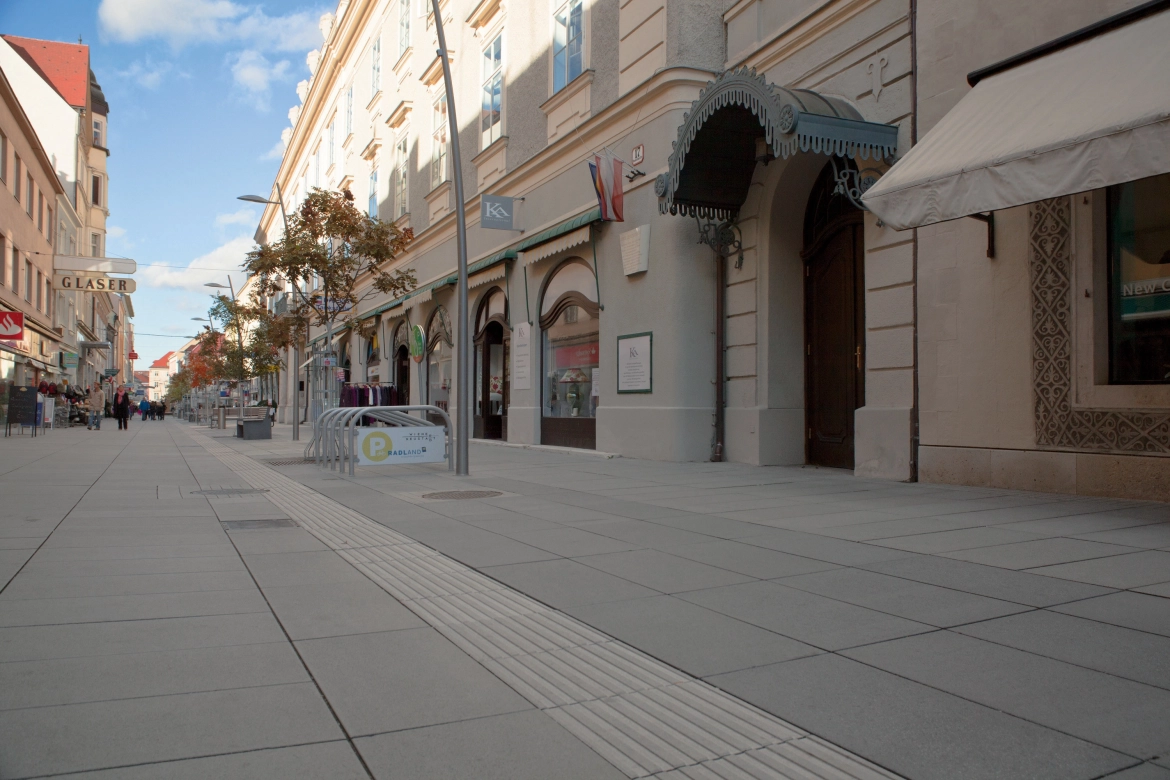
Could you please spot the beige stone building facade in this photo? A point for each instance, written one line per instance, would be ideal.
(788, 323)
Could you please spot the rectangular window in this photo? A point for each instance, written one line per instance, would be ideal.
(1139, 279)
(95, 244)
(317, 167)
(28, 286)
(403, 26)
(3, 157)
(41, 212)
(376, 67)
(332, 142)
(439, 143)
(401, 156)
(349, 111)
(96, 191)
(16, 177)
(40, 291)
(28, 193)
(568, 40)
(15, 270)
(49, 224)
(373, 205)
(493, 87)
(97, 133)
(48, 298)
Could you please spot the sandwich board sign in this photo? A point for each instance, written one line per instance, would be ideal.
(392, 446)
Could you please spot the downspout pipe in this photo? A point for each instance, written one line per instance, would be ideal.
(720, 276)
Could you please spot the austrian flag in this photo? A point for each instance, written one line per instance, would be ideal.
(606, 170)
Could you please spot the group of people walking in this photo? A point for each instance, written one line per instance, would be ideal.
(119, 406)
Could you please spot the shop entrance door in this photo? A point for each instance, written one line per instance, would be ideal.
(491, 383)
(834, 306)
(402, 375)
(834, 345)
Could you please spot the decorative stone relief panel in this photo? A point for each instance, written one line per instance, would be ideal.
(1059, 424)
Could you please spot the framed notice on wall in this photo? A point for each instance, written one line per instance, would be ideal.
(634, 363)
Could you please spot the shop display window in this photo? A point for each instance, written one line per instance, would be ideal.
(571, 364)
(1139, 277)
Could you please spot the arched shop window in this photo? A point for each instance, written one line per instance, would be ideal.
(569, 327)
(439, 349)
(492, 336)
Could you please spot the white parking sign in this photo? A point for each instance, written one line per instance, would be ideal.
(390, 446)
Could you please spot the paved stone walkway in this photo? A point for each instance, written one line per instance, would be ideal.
(598, 618)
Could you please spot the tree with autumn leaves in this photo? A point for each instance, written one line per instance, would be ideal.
(335, 257)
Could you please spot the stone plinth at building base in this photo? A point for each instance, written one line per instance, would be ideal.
(1089, 474)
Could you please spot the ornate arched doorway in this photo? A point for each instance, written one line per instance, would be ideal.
(492, 337)
(401, 365)
(834, 311)
(438, 363)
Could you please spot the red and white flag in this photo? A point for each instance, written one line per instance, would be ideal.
(606, 170)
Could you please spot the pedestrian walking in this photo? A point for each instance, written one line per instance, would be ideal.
(162, 410)
(96, 403)
(144, 408)
(121, 407)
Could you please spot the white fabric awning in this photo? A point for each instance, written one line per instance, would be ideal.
(490, 275)
(558, 244)
(417, 300)
(1083, 117)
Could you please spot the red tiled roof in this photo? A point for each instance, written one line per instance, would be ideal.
(143, 377)
(65, 66)
(162, 361)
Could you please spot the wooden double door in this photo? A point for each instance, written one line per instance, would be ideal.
(834, 305)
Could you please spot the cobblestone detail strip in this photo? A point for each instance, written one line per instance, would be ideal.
(646, 718)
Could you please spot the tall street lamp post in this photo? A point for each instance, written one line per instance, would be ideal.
(463, 370)
(239, 339)
(295, 368)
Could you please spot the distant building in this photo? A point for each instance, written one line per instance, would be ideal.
(159, 377)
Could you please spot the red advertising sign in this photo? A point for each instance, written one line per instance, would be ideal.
(11, 325)
(133, 355)
(577, 356)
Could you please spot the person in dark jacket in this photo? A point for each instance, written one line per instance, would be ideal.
(121, 405)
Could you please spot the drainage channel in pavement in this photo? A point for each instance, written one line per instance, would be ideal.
(643, 716)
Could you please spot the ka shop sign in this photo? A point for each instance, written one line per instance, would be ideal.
(93, 283)
(391, 446)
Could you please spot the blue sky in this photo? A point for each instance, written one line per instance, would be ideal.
(199, 91)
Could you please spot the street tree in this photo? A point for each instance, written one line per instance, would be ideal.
(336, 257)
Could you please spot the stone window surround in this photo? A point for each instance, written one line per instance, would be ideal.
(586, 45)
(1063, 422)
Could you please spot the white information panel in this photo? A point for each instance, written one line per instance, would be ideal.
(634, 363)
(521, 357)
(391, 446)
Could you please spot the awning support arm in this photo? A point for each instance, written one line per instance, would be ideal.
(989, 219)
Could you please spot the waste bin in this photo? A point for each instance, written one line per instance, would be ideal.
(253, 428)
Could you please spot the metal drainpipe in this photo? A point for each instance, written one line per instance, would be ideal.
(914, 409)
(720, 273)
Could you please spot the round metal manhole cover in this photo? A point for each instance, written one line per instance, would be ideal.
(462, 495)
(229, 492)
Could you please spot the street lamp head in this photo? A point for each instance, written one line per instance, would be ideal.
(201, 319)
(215, 284)
(254, 199)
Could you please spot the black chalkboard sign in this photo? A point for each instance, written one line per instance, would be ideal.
(22, 406)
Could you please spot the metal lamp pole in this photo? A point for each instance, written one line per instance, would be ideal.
(463, 370)
(295, 368)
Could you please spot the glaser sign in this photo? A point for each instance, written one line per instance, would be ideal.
(93, 283)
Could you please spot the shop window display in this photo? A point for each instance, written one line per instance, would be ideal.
(439, 350)
(1139, 271)
(571, 360)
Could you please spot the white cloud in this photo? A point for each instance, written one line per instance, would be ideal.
(146, 73)
(242, 217)
(254, 73)
(203, 269)
(113, 231)
(276, 152)
(182, 22)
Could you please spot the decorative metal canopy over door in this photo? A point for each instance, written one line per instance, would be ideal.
(740, 119)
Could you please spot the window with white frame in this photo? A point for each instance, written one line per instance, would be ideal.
(349, 111)
(403, 26)
(373, 206)
(3, 157)
(99, 133)
(95, 191)
(439, 142)
(401, 159)
(376, 67)
(332, 142)
(493, 88)
(95, 244)
(568, 43)
(317, 167)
